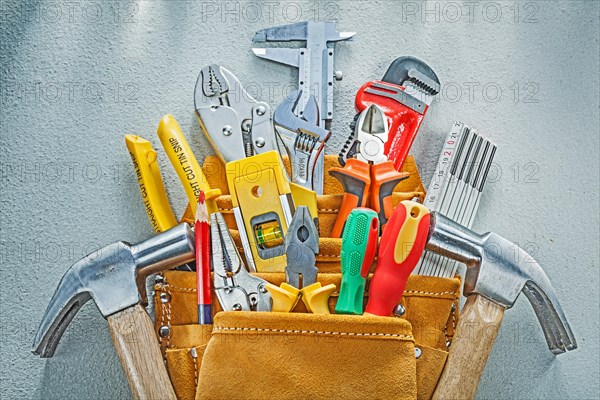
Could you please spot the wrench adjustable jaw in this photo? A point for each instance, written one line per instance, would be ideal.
(302, 139)
(235, 288)
(236, 124)
(500, 270)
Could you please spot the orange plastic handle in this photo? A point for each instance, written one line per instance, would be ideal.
(384, 179)
(355, 177)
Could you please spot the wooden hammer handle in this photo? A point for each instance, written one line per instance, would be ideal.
(136, 344)
(475, 335)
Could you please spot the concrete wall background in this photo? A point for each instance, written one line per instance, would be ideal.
(77, 76)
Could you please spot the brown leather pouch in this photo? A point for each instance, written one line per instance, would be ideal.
(300, 355)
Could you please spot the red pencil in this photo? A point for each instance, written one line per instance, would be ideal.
(203, 245)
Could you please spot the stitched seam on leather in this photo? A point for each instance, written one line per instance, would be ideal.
(226, 328)
(162, 320)
(454, 317)
(168, 314)
(176, 288)
(429, 293)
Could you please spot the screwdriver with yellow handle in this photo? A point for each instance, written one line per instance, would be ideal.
(402, 243)
(152, 188)
(185, 164)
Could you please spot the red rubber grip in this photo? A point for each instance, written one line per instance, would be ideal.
(389, 280)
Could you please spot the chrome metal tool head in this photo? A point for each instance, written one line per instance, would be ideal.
(302, 139)
(416, 76)
(314, 62)
(301, 247)
(368, 138)
(500, 270)
(301, 31)
(114, 277)
(235, 288)
(236, 124)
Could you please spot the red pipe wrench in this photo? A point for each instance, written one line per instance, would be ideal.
(404, 94)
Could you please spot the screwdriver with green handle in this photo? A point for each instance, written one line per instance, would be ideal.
(359, 243)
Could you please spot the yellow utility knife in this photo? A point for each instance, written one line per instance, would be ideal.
(152, 188)
(185, 164)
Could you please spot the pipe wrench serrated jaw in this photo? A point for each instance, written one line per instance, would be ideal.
(415, 74)
(404, 94)
(302, 139)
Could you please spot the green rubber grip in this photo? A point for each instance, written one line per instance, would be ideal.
(359, 243)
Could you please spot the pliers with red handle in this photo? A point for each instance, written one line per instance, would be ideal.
(368, 178)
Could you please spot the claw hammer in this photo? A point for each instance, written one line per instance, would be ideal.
(114, 277)
(497, 272)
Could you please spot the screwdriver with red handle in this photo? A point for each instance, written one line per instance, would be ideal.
(400, 249)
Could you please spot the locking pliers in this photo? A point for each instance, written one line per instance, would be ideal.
(236, 124)
(235, 287)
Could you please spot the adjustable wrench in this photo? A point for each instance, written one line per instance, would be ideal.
(315, 67)
(302, 139)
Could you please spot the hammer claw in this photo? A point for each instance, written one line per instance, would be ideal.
(113, 277)
(554, 324)
(500, 270)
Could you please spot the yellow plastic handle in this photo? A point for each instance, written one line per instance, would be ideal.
(305, 197)
(185, 164)
(316, 298)
(285, 297)
(152, 188)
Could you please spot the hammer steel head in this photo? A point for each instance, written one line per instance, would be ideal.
(114, 277)
(500, 270)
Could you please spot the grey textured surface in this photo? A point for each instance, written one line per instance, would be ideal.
(77, 76)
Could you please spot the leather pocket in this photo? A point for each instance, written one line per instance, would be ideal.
(183, 365)
(430, 365)
(295, 355)
(431, 311)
